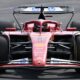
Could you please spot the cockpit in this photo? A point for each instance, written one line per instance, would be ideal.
(41, 25)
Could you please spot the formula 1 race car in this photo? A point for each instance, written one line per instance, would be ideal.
(42, 43)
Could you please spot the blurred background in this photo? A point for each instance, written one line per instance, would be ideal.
(6, 9)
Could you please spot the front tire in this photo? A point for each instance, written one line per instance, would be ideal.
(78, 52)
(4, 51)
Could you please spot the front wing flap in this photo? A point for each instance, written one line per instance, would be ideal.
(54, 63)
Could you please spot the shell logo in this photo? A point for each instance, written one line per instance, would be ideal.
(39, 45)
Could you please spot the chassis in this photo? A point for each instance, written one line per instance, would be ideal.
(40, 44)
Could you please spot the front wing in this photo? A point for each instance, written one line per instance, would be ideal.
(54, 63)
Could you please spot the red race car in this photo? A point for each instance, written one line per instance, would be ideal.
(41, 44)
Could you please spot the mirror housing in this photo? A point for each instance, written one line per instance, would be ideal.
(71, 29)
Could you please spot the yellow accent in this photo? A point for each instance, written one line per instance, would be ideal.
(39, 44)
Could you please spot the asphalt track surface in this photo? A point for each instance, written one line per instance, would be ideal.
(6, 7)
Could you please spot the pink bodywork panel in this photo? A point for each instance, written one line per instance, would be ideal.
(53, 33)
(40, 44)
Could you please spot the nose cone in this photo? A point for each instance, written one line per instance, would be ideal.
(39, 50)
(39, 62)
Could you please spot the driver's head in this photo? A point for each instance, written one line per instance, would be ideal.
(36, 25)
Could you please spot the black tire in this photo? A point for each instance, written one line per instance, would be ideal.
(5, 24)
(78, 52)
(78, 47)
(75, 24)
(4, 49)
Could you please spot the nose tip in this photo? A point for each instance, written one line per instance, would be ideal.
(38, 62)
